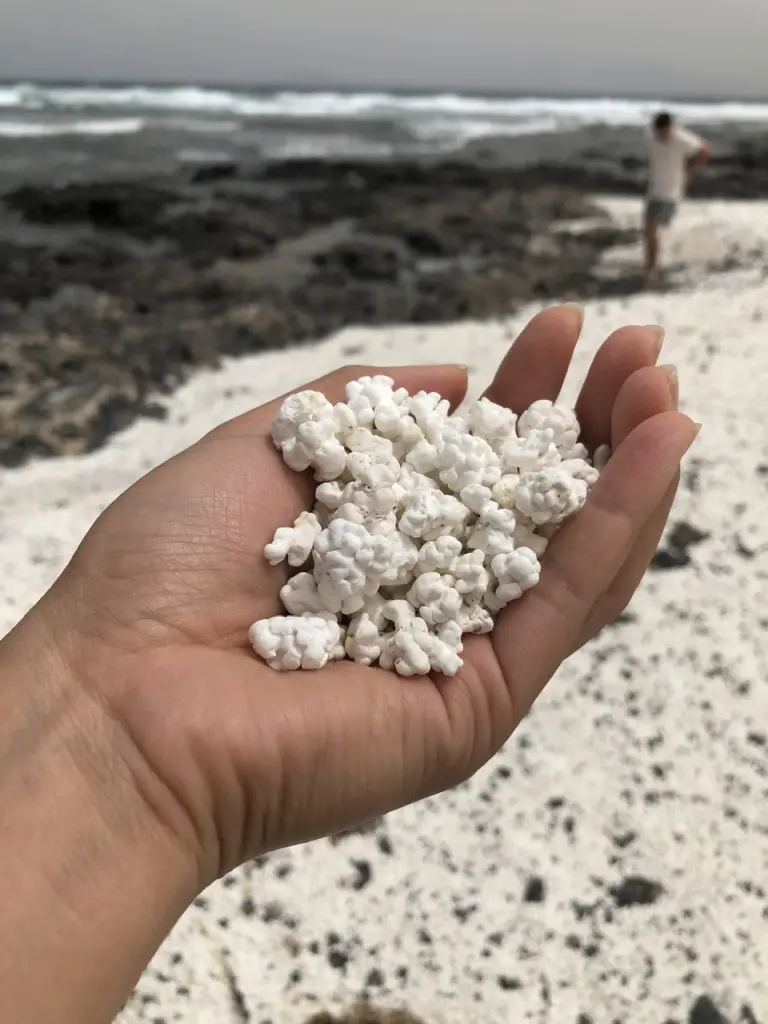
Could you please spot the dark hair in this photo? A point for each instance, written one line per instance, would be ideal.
(662, 121)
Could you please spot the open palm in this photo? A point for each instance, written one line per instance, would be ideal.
(159, 598)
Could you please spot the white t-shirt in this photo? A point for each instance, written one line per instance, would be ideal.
(667, 161)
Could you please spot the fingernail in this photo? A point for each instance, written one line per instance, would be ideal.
(659, 332)
(698, 427)
(578, 309)
(674, 382)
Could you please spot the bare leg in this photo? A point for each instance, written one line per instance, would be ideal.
(651, 250)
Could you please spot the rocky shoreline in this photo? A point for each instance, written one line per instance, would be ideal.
(112, 291)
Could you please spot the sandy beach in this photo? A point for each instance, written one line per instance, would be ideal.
(610, 864)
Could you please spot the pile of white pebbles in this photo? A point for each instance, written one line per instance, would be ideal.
(425, 524)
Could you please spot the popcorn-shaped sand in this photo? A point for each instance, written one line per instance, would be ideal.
(425, 525)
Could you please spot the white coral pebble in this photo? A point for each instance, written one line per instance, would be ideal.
(349, 562)
(425, 525)
(494, 423)
(516, 572)
(364, 642)
(305, 432)
(550, 496)
(526, 535)
(304, 407)
(580, 469)
(429, 514)
(300, 595)
(290, 642)
(466, 460)
(366, 395)
(435, 597)
(546, 415)
(474, 618)
(526, 454)
(471, 575)
(412, 650)
(505, 490)
(494, 531)
(294, 542)
(405, 557)
(439, 555)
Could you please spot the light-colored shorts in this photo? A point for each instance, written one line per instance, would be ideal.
(660, 211)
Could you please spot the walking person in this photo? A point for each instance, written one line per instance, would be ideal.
(674, 156)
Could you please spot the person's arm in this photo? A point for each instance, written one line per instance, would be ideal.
(699, 158)
(90, 880)
(698, 151)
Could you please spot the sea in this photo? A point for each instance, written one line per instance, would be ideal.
(73, 124)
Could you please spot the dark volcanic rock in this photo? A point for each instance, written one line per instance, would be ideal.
(366, 1014)
(636, 891)
(535, 890)
(364, 258)
(113, 291)
(704, 1011)
(104, 205)
(674, 553)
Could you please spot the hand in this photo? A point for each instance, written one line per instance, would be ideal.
(151, 617)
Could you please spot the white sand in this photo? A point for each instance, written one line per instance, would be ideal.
(652, 734)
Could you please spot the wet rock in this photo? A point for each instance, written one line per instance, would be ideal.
(704, 1011)
(113, 206)
(675, 552)
(635, 891)
(365, 258)
(683, 535)
(114, 291)
(535, 890)
(670, 558)
(365, 1014)
(215, 172)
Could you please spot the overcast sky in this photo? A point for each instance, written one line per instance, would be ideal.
(652, 46)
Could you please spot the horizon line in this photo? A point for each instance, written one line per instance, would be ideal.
(401, 90)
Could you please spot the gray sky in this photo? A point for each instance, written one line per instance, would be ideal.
(652, 46)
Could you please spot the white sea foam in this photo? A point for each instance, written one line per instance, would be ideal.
(51, 129)
(431, 117)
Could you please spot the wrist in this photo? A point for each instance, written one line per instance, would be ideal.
(91, 877)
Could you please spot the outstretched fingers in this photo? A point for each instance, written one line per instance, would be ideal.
(647, 393)
(623, 353)
(537, 363)
(532, 638)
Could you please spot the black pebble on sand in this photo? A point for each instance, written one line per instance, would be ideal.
(675, 551)
(635, 891)
(704, 1011)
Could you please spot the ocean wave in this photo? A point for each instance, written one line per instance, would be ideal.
(51, 129)
(198, 126)
(448, 130)
(364, 105)
(303, 146)
(203, 156)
